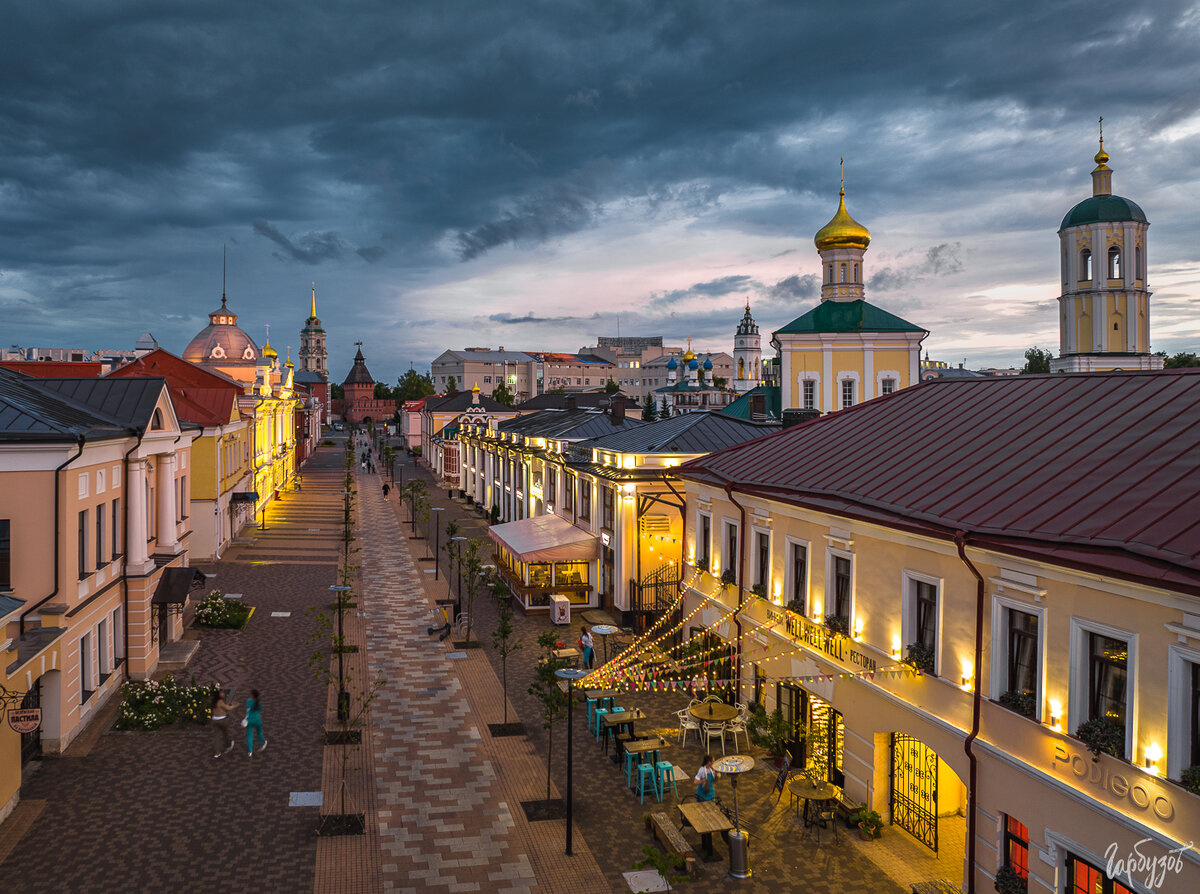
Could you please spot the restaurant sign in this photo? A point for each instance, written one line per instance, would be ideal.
(1124, 789)
(24, 720)
(820, 638)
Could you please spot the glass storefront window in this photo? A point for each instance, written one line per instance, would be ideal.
(539, 574)
(571, 573)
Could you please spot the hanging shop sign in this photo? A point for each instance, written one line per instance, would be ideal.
(24, 720)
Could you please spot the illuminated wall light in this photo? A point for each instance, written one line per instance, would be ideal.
(1056, 715)
(1153, 754)
(816, 612)
(968, 675)
(896, 647)
(858, 630)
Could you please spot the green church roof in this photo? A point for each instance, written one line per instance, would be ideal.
(848, 316)
(773, 404)
(1095, 209)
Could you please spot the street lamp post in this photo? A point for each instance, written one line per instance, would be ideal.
(567, 676)
(437, 533)
(458, 561)
(343, 699)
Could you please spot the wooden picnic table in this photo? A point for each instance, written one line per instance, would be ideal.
(705, 817)
(713, 712)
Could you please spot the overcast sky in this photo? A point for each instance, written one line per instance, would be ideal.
(535, 174)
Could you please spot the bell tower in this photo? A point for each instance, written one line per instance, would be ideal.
(1104, 308)
(747, 354)
(312, 342)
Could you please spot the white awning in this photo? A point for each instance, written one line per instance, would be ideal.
(545, 538)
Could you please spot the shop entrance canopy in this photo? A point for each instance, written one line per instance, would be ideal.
(544, 538)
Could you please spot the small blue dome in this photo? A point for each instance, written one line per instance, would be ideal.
(672, 365)
(708, 363)
(693, 364)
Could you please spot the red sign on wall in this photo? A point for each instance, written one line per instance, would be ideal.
(25, 720)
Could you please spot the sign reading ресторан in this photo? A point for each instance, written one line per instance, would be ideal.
(821, 639)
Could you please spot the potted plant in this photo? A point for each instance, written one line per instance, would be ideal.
(728, 577)
(869, 822)
(1102, 735)
(769, 731)
(1190, 779)
(1009, 881)
(838, 624)
(922, 657)
(1020, 700)
(796, 606)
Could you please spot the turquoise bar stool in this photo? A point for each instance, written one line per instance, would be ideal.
(647, 772)
(600, 712)
(666, 772)
(591, 702)
(630, 760)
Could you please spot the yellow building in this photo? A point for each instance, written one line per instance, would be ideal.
(845, 350)
(1104, 309)
(991, 638)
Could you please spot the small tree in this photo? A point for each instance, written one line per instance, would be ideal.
(649, 411)
(1037, 361)
(503, 394)
(611, 387)
(473, 564)
(451, 385)
(720, 382)
(502, 640)
(545, 689)
(664, 412)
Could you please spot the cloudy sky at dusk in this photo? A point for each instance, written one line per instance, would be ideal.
(535, 174)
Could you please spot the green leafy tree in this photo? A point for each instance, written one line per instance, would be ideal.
(1037, 361)
(611, 387)
(337, 392)
(503, 394)
(545, 689)
(1182, 360)
(382, 391)
(502, 640)
(649, 411)
(720, 382)
(451, 385)
(472, 559)
(413, 386)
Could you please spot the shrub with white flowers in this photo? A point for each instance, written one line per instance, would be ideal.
(150, 704)
(214, 610)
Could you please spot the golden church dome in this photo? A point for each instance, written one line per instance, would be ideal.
(843, 231)
(269, 352)
(688, 355)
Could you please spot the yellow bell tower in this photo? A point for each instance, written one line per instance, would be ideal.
(1104, 308)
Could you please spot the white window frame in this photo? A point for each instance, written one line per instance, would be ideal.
(997, 676)
(83, 485)
(827, 596)
(704, 553)
(728, 561)
(99, 481)
(755, 530)
(788, 579)
(816, 386)
(1179, 706)
(87, 671)
(842, 380)
(908, 614)
(1080, 676)
(115, 478)
(882, 376)
(118, 634)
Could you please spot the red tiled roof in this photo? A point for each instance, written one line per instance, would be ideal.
(1099, 471)
(200, 396)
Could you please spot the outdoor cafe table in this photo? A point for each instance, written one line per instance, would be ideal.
(568, 654)
(614, 722)
(815, 794)
(605, 630)
(646, 746)
(714, 712)
(705, 817)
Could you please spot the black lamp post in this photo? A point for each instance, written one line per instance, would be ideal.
(567, 676)
(437, 536)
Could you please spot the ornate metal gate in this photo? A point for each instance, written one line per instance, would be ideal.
(654, 595)
(914, 789)
(31, 743)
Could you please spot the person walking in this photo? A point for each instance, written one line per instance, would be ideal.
(585, 645)
(220, 723)
(253, 723)
(706, 789)
(385, 488)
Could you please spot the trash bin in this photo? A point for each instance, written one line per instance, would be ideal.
(560, 609)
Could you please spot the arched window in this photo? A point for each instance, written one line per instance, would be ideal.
(856, 279)
(1114, 263)
(741, 368)
(829, 273)
(1085, 265)
(156, 422)
(1139, 263)
(843, 273)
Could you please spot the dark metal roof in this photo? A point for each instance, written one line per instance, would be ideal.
(463, 400)
(359, 374)
(578, 424)
(1094, 209)
(772, 403)
(558, 400)
(174, 585)
(689, 433)
(130, 402)
(1097, 470)
(33, 409)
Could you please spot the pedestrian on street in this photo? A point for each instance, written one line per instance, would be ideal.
(585, 646)
(385, 488)
(706, 789)
(221, 710)
(253, 723)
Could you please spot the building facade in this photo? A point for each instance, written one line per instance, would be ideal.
(359, 403)
(988, 637)
(313, 373)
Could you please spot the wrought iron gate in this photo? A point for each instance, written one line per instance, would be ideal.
(914, 789)
(654, 596)
(31, 743)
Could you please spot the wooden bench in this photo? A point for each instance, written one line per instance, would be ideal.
(936, 886)
(673, 841)
(845, 807)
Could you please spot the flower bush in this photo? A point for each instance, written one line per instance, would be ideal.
(150, 704)
(214, 610)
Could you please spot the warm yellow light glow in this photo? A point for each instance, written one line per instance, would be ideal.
(630, 462)
(896, 646)
(1056, 715)
(968, 674)
(858, 629)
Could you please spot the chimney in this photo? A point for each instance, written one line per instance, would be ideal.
(758, 407)
(617, 409)
(569, 401)
(500, 349)
(799, 417)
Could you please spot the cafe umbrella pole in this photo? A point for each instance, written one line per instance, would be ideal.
(568, 675)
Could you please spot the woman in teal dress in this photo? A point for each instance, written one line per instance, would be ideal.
(254, 722)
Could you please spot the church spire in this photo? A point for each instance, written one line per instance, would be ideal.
(1102, 173)
(312, 314)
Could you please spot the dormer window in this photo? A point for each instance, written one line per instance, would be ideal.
(156, 422)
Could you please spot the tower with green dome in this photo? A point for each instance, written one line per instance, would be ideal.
(1104, 309)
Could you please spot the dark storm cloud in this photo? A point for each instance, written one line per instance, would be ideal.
(708, 289)
(795, 288)
(136, 138)
(510, 319)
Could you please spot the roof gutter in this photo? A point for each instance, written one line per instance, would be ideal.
(960, 540)
(57, 532)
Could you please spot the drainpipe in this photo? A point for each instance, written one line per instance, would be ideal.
(125, 563)
(57, 524)
(960, 541)
(740, 580)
